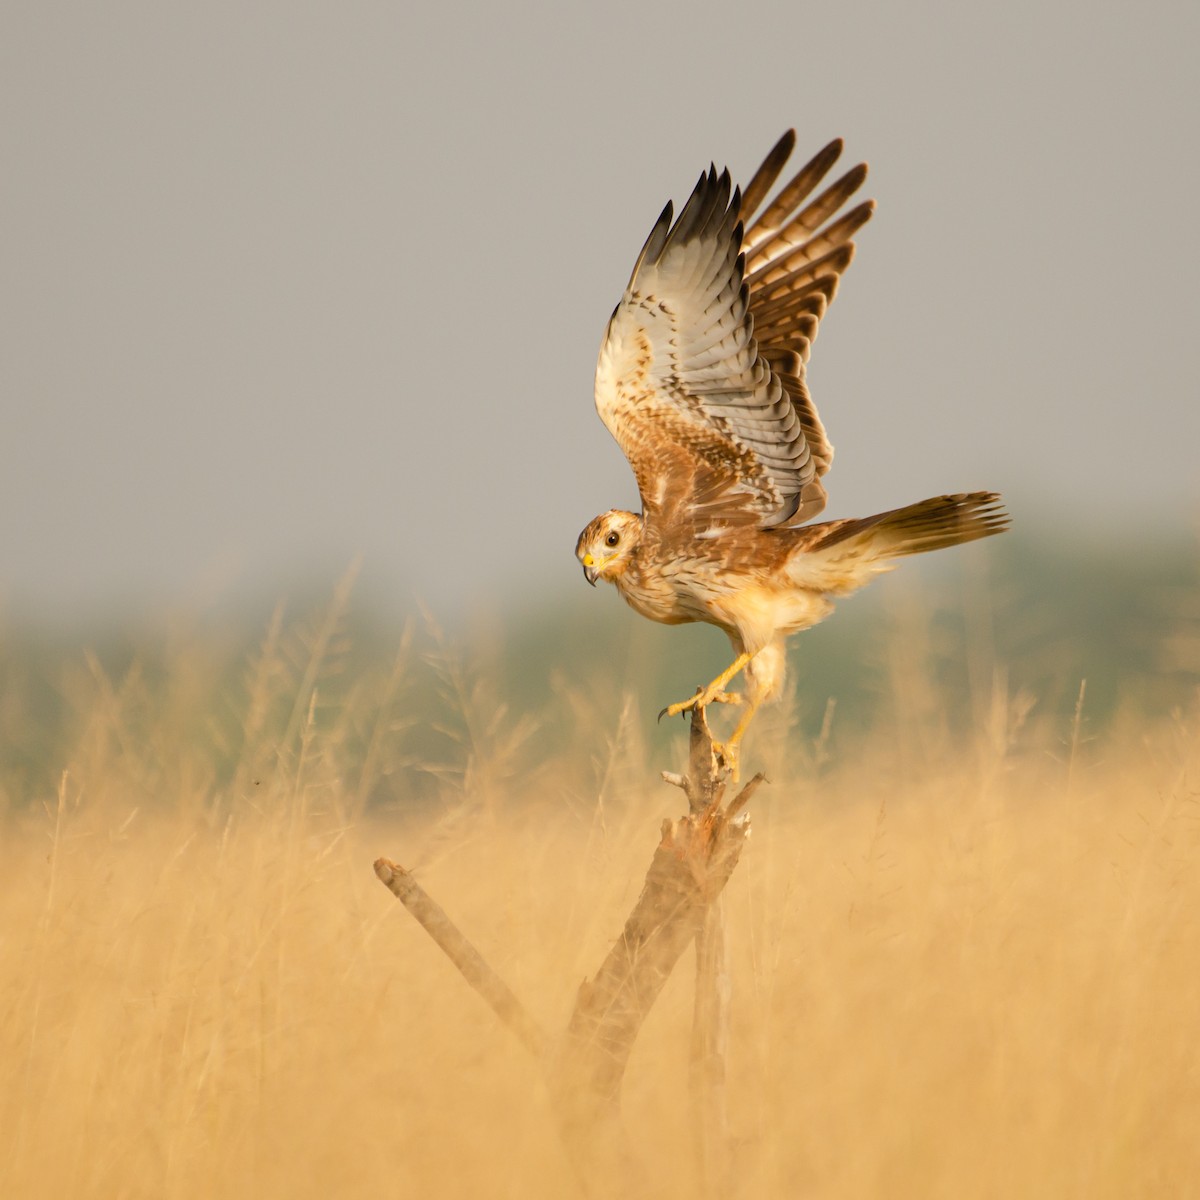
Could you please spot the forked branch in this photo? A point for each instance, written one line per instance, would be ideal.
(695, 857)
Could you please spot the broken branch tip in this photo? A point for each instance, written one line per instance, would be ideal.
(388, 870)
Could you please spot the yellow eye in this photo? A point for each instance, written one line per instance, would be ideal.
(612, 539)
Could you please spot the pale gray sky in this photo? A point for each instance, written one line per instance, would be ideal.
(281, 283)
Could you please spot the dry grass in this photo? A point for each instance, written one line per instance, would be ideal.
(963, 967)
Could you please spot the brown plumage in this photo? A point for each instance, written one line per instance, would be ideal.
(701, 379)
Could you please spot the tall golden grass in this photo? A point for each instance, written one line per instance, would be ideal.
(965, 964)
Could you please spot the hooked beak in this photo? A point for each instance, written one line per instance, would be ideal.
(590, 573)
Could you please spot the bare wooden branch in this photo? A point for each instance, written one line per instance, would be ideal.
(710, 1046)
(706, 775)
(463, 955)
(740, 801)
(679, 904)
(692, 864)
(705, 787)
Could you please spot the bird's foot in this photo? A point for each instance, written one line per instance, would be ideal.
(713, 694)
(702, 699)
(727, 756)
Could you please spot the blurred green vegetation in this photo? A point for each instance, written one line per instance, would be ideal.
(419, 709)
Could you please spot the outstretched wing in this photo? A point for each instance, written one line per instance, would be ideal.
(701, 374)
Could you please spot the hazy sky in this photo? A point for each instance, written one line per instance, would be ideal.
(281, 283)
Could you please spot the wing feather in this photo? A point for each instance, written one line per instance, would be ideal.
(800, 228)
(793, 194)
(763, 180)
(701, 376)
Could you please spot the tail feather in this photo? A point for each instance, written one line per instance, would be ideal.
(928, 525)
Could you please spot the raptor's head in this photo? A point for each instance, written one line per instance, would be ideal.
(606, 543)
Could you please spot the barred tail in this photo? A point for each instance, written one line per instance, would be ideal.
(928, 525)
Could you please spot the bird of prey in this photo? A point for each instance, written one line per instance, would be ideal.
(701, 380)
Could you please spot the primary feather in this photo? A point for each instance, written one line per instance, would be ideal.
(701, 377)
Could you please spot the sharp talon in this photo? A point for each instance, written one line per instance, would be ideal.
(674, 710)
(713, 694)
(662, 712)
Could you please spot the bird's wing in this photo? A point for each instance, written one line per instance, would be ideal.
(701, 374)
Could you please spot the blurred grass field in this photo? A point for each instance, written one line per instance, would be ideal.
(966, 930)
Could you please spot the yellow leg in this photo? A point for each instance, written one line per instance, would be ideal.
(729, 751)
(713, 694)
